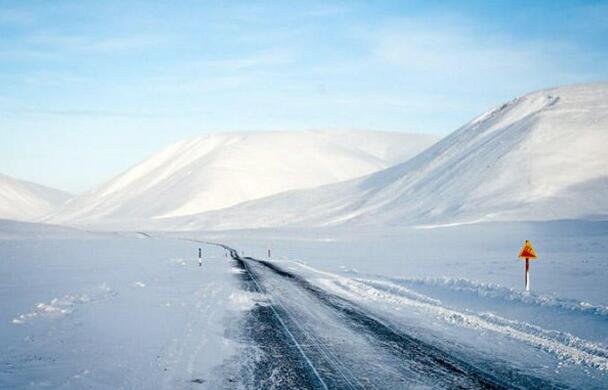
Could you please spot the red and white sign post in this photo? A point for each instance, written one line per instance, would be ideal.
(527, 252)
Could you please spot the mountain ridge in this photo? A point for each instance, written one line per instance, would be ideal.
(22, 200)
(537, 157)
(220, 170)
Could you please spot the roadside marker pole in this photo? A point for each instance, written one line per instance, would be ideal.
(200, 257)
(527, 274)
(527, 252)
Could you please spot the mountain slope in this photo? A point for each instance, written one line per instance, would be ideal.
(25, 201)
(539, 157)
(218, 171)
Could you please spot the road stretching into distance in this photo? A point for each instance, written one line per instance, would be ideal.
(308, 338)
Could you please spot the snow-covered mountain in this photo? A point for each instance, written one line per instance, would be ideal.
(221, 170)
(542, 156)
(25, 201)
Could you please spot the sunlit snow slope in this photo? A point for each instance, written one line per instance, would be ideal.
(25, 201)
(221, 170)
(542, 156)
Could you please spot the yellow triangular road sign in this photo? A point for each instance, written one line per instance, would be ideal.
(527, 251)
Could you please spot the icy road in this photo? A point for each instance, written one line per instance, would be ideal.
(311, 338)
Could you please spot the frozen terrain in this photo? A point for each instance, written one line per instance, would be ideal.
(22, 200)
(221, 170)
(331, 308)
(539, 157)
(405, 278)
(111, 311)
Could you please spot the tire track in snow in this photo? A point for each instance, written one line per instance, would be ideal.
(425, 360)
(284, 326)
(431, 365)
(328, 370)
(437, 367)
(266, 328)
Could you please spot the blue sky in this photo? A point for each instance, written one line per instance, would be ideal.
(88, 89)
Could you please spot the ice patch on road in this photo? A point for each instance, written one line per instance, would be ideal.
(61, 307)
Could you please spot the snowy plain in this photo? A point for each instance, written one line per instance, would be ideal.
(134, 310)
(108, 311)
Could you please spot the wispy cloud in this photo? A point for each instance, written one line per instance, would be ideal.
(452, 51)
(83, 43)
(98, 113)
(27, 54)
(46, 78)
(451, 47)
(266, 58)
(322, 10)
(16, 17)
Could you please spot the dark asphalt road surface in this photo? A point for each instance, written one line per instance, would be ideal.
(308, 338)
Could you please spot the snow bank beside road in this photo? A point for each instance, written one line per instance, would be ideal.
(493, 290)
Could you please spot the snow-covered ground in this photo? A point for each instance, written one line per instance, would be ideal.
(111, 312)
(464, 284)
(405, 278)
(134, 310)
(572, 253)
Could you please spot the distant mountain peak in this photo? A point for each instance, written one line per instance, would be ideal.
(220, 170)
(25, 201)
(541, 156)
